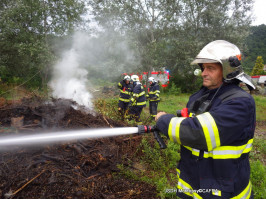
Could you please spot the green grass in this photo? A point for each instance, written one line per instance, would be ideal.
(260, 107)
(172, 103)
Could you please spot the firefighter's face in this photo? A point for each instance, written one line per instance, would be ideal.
(127, 81)
(212, 75)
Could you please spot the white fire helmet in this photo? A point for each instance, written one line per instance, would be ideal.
(151, 79)
(135, 78)
(228, 54)
(127, 78)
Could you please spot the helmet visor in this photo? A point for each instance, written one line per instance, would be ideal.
(204, 60)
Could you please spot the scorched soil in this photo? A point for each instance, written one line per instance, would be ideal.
(80, 169)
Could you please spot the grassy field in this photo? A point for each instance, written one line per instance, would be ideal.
(157, 166)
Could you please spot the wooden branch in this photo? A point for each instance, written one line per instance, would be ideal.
(13, 194)
(107, 122)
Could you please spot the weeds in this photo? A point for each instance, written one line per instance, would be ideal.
(258, 179)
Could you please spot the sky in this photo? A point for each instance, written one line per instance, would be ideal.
(259, 11)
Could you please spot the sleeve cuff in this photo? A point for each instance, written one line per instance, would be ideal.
(163, 123)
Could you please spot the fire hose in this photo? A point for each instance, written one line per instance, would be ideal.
(36, 139)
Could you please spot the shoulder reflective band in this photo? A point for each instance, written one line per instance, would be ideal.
(173, 130)
(187, 189)
(210, 130)
(224, 152)
(245, 194)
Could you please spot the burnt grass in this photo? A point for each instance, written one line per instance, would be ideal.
(79, 169)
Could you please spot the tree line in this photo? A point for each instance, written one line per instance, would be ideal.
(162, 33)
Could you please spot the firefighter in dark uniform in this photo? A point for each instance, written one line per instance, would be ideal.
(153, 96)
(125, 95)
(217, 136)
(138, 100)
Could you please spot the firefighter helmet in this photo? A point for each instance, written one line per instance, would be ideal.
(135, 78)
(127, 78)
(151, 79)
(229, 56)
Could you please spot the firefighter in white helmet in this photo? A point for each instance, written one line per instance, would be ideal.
(125, 95)
(138, 100)
(216, 133)
(153, 96)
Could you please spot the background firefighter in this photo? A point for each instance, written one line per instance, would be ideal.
(138, 100)
(125, 95)
(217, 136)
(153, 96)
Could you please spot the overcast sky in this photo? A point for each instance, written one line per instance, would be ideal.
(259, 11)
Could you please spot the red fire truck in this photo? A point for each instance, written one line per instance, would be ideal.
(160, 76)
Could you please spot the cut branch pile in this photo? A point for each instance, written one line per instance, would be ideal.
(81, 169)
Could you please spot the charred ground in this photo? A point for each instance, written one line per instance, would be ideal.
(80, 169)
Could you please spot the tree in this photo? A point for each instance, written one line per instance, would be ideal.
(255, 45)
(26, 27)
(142, 21)
(171, 33)
(258, 68)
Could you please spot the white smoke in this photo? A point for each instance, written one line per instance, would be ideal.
(90, 59)
(70, 80)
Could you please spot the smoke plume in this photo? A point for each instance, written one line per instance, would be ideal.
(90, 60)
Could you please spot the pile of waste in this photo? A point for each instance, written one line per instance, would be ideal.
(79, 169)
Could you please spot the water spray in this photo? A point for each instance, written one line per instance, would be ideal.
(8, 142)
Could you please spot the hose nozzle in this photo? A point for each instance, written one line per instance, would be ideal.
(145, 129)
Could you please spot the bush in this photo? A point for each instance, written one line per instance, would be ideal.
(174, 90)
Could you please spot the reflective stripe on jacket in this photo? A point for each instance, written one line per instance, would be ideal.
(138, 96)
(215, 145)
(154, 92)
(125, 91)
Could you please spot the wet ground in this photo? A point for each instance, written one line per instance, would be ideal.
(80, 169)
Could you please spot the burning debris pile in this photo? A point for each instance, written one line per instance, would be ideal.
(81, 169)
